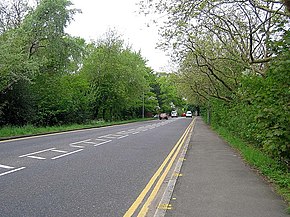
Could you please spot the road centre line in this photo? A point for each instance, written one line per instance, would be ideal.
(103, 142)
(90, 143)
(122, 132)
(36, 157)
(80, 142)
(135, 133)
(59, 151)
(25, 155)
(12, 171)
(110, 136)
(149, 185)
(60, 156)
(123, 137)
(6, 167)
(78, 146)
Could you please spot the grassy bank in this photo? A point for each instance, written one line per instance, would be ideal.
(275, 172)
(12, 131)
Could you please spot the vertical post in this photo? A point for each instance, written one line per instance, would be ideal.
(143, 106)
(208, 113)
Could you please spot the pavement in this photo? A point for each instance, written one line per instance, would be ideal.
(216, 182)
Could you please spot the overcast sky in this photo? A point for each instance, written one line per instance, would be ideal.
(98, 16)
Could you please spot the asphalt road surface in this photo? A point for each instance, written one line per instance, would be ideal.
(95, 172)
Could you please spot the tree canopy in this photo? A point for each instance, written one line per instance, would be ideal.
(48, 77)
(232, 58)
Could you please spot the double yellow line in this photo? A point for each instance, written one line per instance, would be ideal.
(170, 158)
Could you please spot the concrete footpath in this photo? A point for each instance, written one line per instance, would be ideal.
(217, 183)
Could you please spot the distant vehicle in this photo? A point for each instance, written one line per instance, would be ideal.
(156, 116)
(188, 114)
(163, 116)
(174, 114)
(183, 114)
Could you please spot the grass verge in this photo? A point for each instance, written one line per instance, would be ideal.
(275, 172)
(12, 131)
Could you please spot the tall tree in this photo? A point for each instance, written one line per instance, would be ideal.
(117, 76)
(220, 41)
(37, 44)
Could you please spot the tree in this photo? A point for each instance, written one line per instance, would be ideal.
(12, 14)
(217, 42)
(36, 45)
(117, 77)
(232, 57)
(169, 98)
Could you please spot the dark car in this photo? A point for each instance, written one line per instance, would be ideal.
(163, 116)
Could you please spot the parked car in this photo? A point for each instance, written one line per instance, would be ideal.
(183, 114)
(163, 116)
(188, 114)
(174, 114)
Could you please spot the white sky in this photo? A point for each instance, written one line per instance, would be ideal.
(98, 16)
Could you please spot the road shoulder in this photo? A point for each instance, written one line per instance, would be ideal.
(216, 182)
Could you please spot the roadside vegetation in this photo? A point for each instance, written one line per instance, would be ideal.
(15, 131)
(233, 59)
(234, 64)
(50, 79)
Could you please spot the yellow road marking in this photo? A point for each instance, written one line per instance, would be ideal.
(165, 206)
(142, 195)
(153, 194)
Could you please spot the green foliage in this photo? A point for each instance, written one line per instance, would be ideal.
(117, 78)
(260, 112)
(37, 59)
(49, 78)
(167, 93)
(273, 117)
(14, 131)
(60, 99)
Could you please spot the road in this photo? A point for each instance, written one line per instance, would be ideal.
(94, 172)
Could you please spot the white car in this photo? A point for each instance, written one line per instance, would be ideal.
(188, 114)
(174, 114)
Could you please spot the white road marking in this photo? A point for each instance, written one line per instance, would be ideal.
(90, 143)
(12, 171)
(103, 142)
(59, 151)
(135, 133)
(123, 136)
(6, 167)
(36, 152)
(76, 146)
(122, 132)
(109, 136)
(80, 142)
(79, 146)
(36, 157)
(73, 152)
